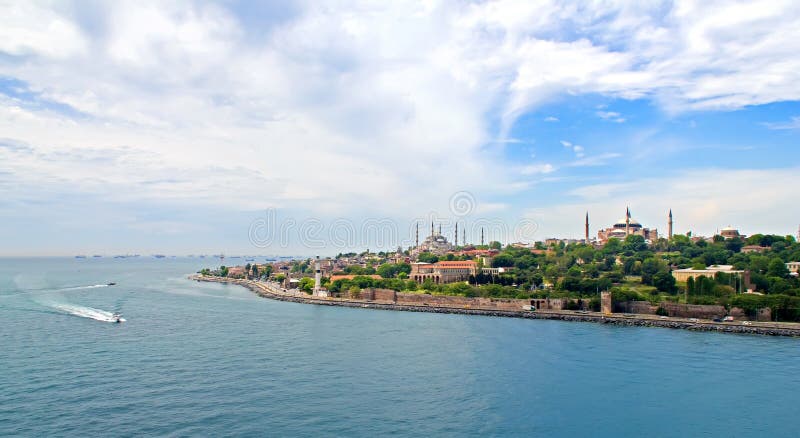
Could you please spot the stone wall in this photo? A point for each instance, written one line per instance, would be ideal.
(764, 314)
(446, 300)
(374, 294)
(640, 307)
(694, 310)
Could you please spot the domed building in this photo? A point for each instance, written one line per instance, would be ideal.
(624, 227)
(436, 244)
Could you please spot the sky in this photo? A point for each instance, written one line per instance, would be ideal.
(197, 127)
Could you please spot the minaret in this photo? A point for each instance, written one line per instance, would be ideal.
(628, 221)
(431, 228)
(417, 246)
(669, 225)
(481, 236)
(586, 239)
(456, 241)
(464, 236)
(440, 229)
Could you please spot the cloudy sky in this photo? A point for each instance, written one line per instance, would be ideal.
(191, 127)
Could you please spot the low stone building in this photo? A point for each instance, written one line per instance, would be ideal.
(709, 272)
(443, 272)
(754, 248)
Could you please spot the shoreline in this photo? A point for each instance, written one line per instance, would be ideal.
(266, 290)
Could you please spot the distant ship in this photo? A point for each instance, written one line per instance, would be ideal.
(80, 256)
(97, 256)
(159, 256)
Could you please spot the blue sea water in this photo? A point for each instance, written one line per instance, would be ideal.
(215, 360)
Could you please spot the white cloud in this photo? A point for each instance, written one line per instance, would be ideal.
(551, 119)
(359, 104)
(576, 148)
(793, 123)
(595, 160)
(701, 200)
(535, 169)
(611, 116)
(33, 29)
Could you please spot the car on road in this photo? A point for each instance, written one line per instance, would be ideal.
(747, 323)
(728, 318)
(662, 317)
(693, 319)
(717, 319)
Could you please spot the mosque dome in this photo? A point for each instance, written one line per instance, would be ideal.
(633, 224)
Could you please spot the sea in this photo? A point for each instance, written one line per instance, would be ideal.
(204, 359)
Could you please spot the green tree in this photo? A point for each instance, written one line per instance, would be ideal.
(634, 243)
(387, 270)
(502, 261)
(306, 284)
(426, 257)
(777, 268)
(690, 286)
(664, 281)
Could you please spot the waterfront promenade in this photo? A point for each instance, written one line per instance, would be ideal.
(276, 292)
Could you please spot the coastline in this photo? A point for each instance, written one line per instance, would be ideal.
(267, 290)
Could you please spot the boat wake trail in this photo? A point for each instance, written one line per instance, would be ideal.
(87, 312)
(94, 286)
(50, 290)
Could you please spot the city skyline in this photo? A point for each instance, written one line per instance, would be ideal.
(177, 138)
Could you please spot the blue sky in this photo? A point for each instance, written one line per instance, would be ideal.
(189, 127)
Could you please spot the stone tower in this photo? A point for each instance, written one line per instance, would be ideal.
(317, 276)
(606, 304)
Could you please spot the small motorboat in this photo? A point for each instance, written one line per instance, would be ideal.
(112, 284)
(117, 318)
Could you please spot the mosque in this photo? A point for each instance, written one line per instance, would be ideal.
(436, 243)
(627, 226)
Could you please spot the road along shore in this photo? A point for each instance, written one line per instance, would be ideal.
(272, 291)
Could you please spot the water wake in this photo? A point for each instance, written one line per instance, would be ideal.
(49, 290)
(94, 286)
(86, 312)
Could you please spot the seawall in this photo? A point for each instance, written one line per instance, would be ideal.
(757, 328)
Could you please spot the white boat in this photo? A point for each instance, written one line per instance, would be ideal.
(117, 318)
